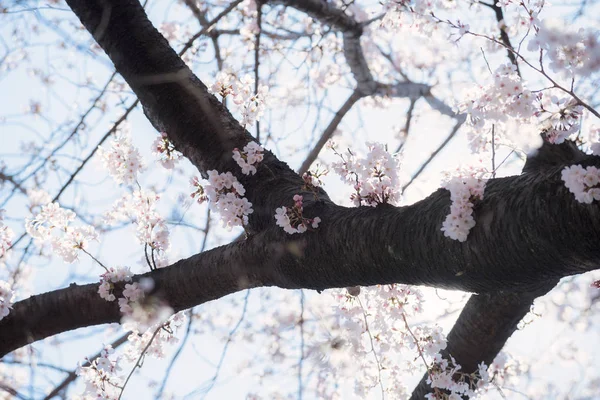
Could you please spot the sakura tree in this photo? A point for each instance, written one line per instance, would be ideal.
(413, 175)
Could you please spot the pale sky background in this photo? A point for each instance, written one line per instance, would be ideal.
(196, 363)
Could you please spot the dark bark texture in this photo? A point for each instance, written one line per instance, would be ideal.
(530, 231)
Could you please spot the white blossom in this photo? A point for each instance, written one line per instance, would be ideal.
(53, 225)
(121, 159)
(6, 298)
(6, 235)
(376, 177)
(165, 151)
(291, 218)
(252, 105)
(225, 195)
(249, 157)
(466, 187)
(584, 183)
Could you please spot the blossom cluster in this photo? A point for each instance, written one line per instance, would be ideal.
(375, 177)
(140, 207)
(493, 107)
(165, 150)
(312, 179)
(446, 375)
(132, 292)
(417, 14)
(252, 104)
(52, 225)
(6, 235)
(443, 374)
(144, 312)
(6, 299)
(37, 198)
(249, 157)
(426, 339)
(584, 183)
(225, 195)
(560, 117)
(291, 218)
(109, 278)
(372, 337)
(576, 52)
(101, 376)
(249, 27)
(153, 345)
(506, 112)
(465, 188)
(139, 312)
(122, 160)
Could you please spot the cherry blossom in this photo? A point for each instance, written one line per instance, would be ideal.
(38, 198)
(311, 179)
(157, 335)
(121, 159)
(140, 208)
(366, 340)
(374, 333)
(465, 188)
(6, 298)
(111, 276)
(252, 105)
(561, 117)
(375, 177)
(141, 315)
(492, 111)
(52, 225)
(225, 195)
(577, 52)
(584, 183)
(101, 376)
(199, 194)
(291, 218)
(249, 157)
(6, 235)
(164, 149)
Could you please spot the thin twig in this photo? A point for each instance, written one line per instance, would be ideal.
(301, 361)
(137, 363)
(175, 356)
(226, 347)
(379, 367)
(328, 132)
(434, 154)
(73, 375)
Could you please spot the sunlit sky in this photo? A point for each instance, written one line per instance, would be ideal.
(66, 100)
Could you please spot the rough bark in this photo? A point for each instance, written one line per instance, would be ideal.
(484, 325)
(530, 231)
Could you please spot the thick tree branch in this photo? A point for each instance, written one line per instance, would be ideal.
(482, 329)
(328, 14)
(177, 102)
(548, 233)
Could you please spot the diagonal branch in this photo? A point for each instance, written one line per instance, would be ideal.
(177, 102)
(482, 329)
(548, 233)
(328, 132)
